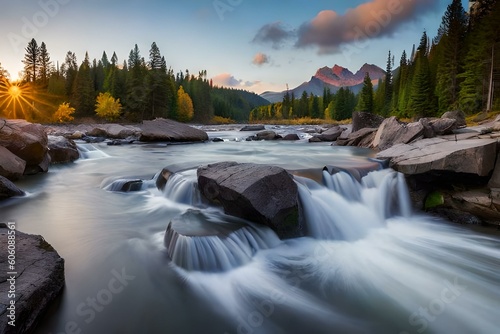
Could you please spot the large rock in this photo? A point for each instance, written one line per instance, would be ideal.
(392, 132)
(26, 140)
(8, 189)
(361, 120)
(167, 130)
(262, 194)
(473, 156)
(11, 166)
(62, 150)
(331, 134)
(39, 279)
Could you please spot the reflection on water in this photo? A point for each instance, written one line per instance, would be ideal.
(368, 266)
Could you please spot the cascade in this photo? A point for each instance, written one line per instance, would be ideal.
(89, 151)
(345, 209)
(212, 241)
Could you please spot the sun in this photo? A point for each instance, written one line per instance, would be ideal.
(15, 92)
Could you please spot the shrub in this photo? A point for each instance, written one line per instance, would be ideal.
(64, 113)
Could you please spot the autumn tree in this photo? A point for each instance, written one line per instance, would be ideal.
(185, 111)
(107, 107)
(64, 113)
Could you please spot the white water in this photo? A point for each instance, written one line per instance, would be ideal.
(89, 151)
(375, 268)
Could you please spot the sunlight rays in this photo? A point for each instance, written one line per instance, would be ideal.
(21, 100)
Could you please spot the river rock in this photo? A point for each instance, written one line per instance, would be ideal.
(26, 140)
(167, 130)
(8, 189)
(253, 128)
(472, 156)
(267, 135)
(361, 120)
(262, 194)
(361, 138)
(11, 166)
(39, 280)
(457, 115)
(392, 132)
(62, 150)
(331, 134)
(291, 137)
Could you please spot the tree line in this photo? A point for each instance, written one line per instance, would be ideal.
(454, 70)
(135, 90)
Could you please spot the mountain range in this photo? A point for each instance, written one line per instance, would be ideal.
(333, 77)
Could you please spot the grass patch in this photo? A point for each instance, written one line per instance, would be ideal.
(303, 121)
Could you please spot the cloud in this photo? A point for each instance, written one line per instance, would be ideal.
(373, 19)
(260, 59)
(228, 80)
(273, 33)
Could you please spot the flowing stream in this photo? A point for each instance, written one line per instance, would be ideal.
(165, 261)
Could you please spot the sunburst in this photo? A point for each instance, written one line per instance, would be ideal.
(20, 100)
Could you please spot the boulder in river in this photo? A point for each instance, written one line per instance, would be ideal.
(26, 140)
(39, 279)
(253, 128)
(8, 189)
(62, 150)
(332, 134)
(11, 166)
(263, 194)
(162, 129)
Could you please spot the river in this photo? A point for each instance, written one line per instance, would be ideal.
(369, 264)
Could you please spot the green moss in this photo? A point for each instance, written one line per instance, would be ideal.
(434, 199)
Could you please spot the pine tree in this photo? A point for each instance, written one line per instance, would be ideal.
(366, 96)
(388, 85)
(451, 36)
(45, 64)
(84, 93)
(31, 61)
(136, 90)
(70, 71)
(421, 95)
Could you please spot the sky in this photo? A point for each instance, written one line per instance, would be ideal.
(255, 45)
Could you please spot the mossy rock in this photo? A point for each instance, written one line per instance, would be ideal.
(433, 200)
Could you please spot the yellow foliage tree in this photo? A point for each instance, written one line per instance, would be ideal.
(64, 113)
(108, 107)
(186, 109)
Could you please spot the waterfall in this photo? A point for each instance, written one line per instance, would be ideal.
(89, 151)
(182, 188)
(197, 241)
(345, 209)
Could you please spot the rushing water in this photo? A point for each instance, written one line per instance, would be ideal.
(368, 265)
